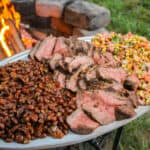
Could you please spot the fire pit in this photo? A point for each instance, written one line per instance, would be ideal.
(13, 38)
(24, 22)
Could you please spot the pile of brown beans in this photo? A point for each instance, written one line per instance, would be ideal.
(32, 105)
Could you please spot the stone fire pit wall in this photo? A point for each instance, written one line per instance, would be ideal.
(64, 17)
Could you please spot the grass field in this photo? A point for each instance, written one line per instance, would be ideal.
(131, 16)
(128, 15)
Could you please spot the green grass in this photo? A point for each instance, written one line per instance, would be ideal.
(128, 15)
(131, 16)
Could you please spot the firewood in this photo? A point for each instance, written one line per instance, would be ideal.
(2, 54)
(13, 37)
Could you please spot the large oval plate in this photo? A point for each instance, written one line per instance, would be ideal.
(70, 138)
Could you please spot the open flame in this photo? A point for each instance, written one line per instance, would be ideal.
(2, 38)
(7, 12)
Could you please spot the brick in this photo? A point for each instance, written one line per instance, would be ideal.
(24, 7)
(83, 32)
(86, 15)
(50, 8)
(60, 26)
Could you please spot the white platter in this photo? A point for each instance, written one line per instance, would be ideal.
(70, 138)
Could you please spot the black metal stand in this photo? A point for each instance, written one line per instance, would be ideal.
(117, 138)
(99, 142)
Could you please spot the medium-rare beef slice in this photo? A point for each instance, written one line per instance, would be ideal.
(111, 74)
(60, 77)
(54, 61)
(100, 112)
(33, 51)
(90, 74)
(80, 123)
(115, 87)
(99, 104)
(109, 98)
(132, 82)
(110, 61)
(61, 47)
(124, 111)
(98, 58)
(72, 82)
(78, 61)
(82, 84)
(133, 98)
(45, 50)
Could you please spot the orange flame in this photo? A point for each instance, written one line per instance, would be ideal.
(8, 12)
(2, 38)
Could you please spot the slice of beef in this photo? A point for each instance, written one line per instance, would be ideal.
(100, 112)
(68, 60)
(78, 61)
(80, 123)
(111, 74)
(33, 51)
(61, 47)
(45, 49)
(82, 84)
(60, 77)
(124, 111)
(72, 82)
(109, 98)
(132, 82)
(98, 58)
(80, 48)
(133, 98)
(90, 74)
(54, 61)
(115, 87)
(110, 61)
(99, 104)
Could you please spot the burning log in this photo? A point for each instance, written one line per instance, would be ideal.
(13, 37)
(2, 55)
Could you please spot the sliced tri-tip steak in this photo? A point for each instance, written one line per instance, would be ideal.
(33, 51)
(97, 57)
(72, 82)
(133, 98)
(61, 47)
(132, 82)
(80, 123)
(45, 50)
(60, 77)
(90, 74)
(115, 87)
(124, 111)
(110, 61)
(99, 104)
(82, 84)
(78, 61)
(111, 74)
(54, 61)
